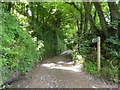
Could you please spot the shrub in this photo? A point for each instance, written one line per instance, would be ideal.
(109, 59)
(19, 52)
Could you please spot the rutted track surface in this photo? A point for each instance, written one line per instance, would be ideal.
(60, 72)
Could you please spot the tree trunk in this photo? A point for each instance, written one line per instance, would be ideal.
(79, 24)
(78, 35)
(114, 17)
(113, 11)
(119, 31)
(9, 6)
(101, 16)
(94, 15)
(55, 42)
(88, 17)
(80, 28)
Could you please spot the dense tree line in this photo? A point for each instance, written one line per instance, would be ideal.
(67, 25)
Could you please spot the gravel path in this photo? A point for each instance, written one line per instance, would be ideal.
(60, 72)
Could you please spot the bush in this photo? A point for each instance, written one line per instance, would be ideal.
(19, 52)
(109, 59)
(112, 47)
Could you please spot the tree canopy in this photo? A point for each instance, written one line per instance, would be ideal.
(35, 30)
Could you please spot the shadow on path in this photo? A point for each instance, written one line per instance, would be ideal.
(60, 72)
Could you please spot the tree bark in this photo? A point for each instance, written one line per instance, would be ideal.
(94, 15)
(78, 35)
(113, 11)
(79, 24)
(114, 17)
(101, 16)
(9, 6)
(88, 17)
(55, 42)
(80, 28)
(119, 31)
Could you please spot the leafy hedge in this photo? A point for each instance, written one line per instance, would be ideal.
(19, 52)
(109, 58)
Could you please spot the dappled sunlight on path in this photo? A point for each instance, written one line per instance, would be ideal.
(60, 72)
(64, 66)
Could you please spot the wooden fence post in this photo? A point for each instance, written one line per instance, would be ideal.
(98, 54)
(1, 19)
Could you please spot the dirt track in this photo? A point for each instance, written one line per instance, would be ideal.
(60, 72)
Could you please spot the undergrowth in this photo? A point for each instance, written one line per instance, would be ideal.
(106, 72)
(19, 51)
(109, 58)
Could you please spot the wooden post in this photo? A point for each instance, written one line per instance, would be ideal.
(98, 54)
(1, 19)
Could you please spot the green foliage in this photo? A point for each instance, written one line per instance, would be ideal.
(88, 68)
(51, 24)
(109, 60)
(88, 47)
(74, 56)
(53, 28)
(19, 52)
(112, 46)
(109, 73)
(84, 48)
